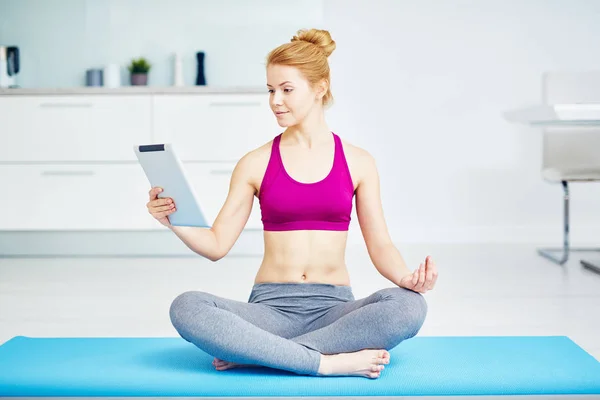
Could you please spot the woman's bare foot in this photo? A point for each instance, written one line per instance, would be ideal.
(367, 363)
(222, 365)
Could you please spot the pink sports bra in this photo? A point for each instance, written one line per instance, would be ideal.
(287, 204)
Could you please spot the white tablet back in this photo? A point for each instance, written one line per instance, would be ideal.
(164, 169)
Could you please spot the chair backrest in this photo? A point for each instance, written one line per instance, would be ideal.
(575, 148)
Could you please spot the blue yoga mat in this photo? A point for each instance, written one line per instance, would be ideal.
(166, 367)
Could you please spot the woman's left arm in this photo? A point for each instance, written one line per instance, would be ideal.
(383, 253)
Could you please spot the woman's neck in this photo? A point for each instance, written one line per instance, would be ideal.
(312, 131)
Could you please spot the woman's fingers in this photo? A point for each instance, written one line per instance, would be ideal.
(429, 268)
(434, 274)
(415, 276)
(161, 209)
(164, 213)
(153, 193)
(161, 202)
(421, 277)
(424, 277)
(164, 208)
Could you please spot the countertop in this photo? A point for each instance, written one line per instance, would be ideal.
(135, 90)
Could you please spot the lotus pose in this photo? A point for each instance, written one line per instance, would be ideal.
(301, 315)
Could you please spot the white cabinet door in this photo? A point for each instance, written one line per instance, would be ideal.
(74, 127)
(79, 197)
(215, 127)
(211, 184)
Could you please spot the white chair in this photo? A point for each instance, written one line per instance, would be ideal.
(571, 150)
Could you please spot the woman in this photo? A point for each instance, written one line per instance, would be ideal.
(301, 315)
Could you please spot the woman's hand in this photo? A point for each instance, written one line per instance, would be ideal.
(160, 208)
(422, 279)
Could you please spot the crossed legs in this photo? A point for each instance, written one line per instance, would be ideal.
(259, 334)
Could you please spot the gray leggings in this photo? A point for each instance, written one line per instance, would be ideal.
(289, 325)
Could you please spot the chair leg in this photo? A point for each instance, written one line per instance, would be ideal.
(566, 249)
(591, 266)
(547, 252)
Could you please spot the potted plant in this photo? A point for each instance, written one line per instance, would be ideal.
(139, 71)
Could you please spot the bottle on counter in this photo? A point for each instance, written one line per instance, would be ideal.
(177, 70)
(200, 78)
(112, 75)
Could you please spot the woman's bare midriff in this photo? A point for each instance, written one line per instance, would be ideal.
(304, 257)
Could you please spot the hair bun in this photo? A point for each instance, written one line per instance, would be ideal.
(318, 37)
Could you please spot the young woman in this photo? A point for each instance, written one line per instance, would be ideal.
(301, 315)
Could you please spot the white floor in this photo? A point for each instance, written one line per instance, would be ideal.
(482, 290)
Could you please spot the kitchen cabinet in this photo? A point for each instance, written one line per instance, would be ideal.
(67, 161)
(73, 128)
(213, 128)
(55, 197)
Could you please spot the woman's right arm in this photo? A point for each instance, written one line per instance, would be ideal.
(215, 242)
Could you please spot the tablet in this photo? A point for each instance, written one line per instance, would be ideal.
(164, 169)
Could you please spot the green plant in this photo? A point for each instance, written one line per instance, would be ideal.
(139, 66)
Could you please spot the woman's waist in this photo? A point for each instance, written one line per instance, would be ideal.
(300, 297)
(306, 247)
(300, 265)
(301, 271)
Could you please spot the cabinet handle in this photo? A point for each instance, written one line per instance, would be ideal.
(221, 171)
(67, 173)
(66, 105)
(234, 103)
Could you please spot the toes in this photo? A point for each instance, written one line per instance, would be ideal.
(221, 364)
(377, 368)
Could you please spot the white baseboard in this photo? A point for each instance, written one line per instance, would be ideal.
(542, 235)
(151, 243)
(157, 243)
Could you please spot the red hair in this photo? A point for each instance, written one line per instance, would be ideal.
(308, 51)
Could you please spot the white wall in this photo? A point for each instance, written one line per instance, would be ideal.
(422, 84)
(60, 39)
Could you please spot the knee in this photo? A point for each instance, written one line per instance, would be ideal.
(409, 312)
(186, 306)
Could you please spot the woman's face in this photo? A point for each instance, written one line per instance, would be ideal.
(290, 95)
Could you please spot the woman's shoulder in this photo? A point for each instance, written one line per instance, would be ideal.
(356, 154)
(360, 162)
(255, 161)
(259, 155)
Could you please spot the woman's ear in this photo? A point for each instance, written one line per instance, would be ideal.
(322, 88)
